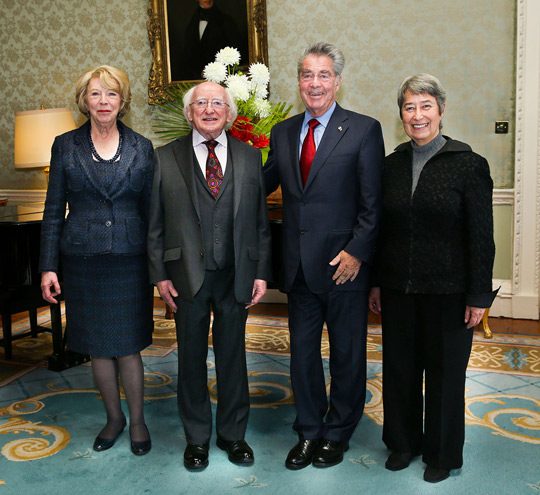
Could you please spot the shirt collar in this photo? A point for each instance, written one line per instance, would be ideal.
(198, 139)
(323, 119)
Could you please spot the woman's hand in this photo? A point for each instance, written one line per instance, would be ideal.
(50, 287)
(473, 316)
(374, 300)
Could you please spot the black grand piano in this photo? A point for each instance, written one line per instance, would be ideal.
(20, 230)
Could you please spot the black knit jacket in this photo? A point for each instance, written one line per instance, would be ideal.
(440, 241)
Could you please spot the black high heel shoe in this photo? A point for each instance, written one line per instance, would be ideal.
(101, 444)
(141, 448)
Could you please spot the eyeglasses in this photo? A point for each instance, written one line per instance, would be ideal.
(203, 103)
(309, 76)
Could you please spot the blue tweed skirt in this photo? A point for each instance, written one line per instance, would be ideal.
(109, 304)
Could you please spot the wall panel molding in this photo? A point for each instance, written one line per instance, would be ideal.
(526, 267)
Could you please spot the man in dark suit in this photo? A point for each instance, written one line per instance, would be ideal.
(209, 250)
(328, 163)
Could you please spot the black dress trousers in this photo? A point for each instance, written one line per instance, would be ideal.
(425, 335)
(228, 334)
(345, 315)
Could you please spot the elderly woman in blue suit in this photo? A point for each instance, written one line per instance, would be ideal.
(103, 172)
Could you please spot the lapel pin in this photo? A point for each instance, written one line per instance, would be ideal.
(340, 128)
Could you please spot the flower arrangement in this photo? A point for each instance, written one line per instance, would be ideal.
(256, 115)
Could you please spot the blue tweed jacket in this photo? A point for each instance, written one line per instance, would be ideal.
(99, 221)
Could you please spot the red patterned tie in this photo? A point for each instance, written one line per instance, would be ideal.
(308, 151)
(214, 173)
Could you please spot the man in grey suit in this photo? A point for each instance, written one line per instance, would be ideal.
(209, 251)
(328, 163)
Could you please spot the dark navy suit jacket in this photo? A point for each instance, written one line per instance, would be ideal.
(339, 207)
(99, 221)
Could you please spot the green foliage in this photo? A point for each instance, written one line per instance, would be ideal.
(279, 113)
(171, 123)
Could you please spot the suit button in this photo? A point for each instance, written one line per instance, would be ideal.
(108, 223)
(216, 224)
(202, 254)
(217, 241)
(303, 203)
(303, 231)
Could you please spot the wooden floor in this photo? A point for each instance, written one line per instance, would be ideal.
(497, 325)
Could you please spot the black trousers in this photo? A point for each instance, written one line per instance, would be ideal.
(425, 334)
(345, 314)
(228, 334)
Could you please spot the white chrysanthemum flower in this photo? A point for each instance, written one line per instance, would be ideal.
(262, 107)
(260, 74)
(228, 56)
(259, 91)
(239, 86)
(215, 72)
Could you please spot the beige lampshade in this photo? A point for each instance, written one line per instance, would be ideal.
(35, 131)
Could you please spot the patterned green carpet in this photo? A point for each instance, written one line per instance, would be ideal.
(48, 422)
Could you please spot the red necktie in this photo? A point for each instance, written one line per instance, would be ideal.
(308, 151)
(214, 172)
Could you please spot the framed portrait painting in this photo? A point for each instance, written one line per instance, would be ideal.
(185, 35)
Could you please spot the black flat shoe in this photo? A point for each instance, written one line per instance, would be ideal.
(196, 456)
(398, 460)
(141, 448)
(434, 475)
(239, 451)
(301, 454)
(329, 453)
(101, 444)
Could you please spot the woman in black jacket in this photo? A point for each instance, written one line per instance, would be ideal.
(103, 171)
(433, 281)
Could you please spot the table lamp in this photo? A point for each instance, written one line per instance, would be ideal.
(35, 131)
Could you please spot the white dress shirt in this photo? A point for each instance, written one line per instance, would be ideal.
(201, 150)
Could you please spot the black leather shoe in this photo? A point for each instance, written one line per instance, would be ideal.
(239, 451)
(329, 453)
(141, 448)
(301, 454)
(398, 460)
(101, 443)
(196, 456)
(434, 475)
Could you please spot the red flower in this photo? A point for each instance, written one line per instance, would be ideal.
(242, 124)
(260, 141)
(237, 133)
(242, 129)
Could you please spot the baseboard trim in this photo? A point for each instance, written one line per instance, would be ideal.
(23, 195)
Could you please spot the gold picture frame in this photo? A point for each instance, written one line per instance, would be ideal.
(162, 73)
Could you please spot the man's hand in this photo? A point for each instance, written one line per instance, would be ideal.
(259, 290)
(167, 292)
(50, 287)
(348, 267)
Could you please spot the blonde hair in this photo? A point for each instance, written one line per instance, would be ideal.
(111, 78)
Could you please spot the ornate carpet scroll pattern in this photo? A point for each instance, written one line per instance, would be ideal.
(51, 438)
(501, 354)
